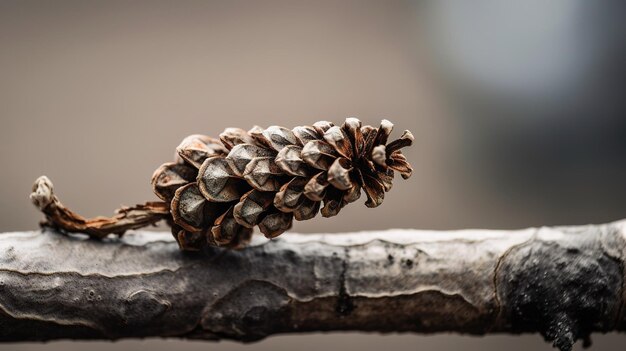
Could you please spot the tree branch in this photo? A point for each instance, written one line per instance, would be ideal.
(564, 282)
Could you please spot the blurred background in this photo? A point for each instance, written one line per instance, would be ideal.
(517, 108)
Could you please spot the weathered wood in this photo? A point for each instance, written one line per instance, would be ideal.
(564, 282)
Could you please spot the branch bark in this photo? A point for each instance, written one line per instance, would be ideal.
(564, 282)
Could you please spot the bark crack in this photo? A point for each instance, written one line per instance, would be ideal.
(60, 322)
(345, 305)
(96, 275)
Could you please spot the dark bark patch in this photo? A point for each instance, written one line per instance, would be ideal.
(345, 306)
(563, 292)
(408, 263)
(249, 312)
(417, 312)
(143, 306)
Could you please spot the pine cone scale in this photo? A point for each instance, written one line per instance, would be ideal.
(318, 154)
(215, 182)
(290, 161)
(339, 174)
(169, 177)
(316, 186)
(188, 207)
(240, 155)
(337, 138)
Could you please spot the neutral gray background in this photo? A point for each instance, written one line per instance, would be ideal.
(516, 110)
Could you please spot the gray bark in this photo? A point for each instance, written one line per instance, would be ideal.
(564, 282)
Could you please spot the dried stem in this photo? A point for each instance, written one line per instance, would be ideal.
(60, 217)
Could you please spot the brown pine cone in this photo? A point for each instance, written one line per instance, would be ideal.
(219, 190)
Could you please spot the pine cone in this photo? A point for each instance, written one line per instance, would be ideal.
(219, 190)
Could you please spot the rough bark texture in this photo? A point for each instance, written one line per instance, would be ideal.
(564, 282)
